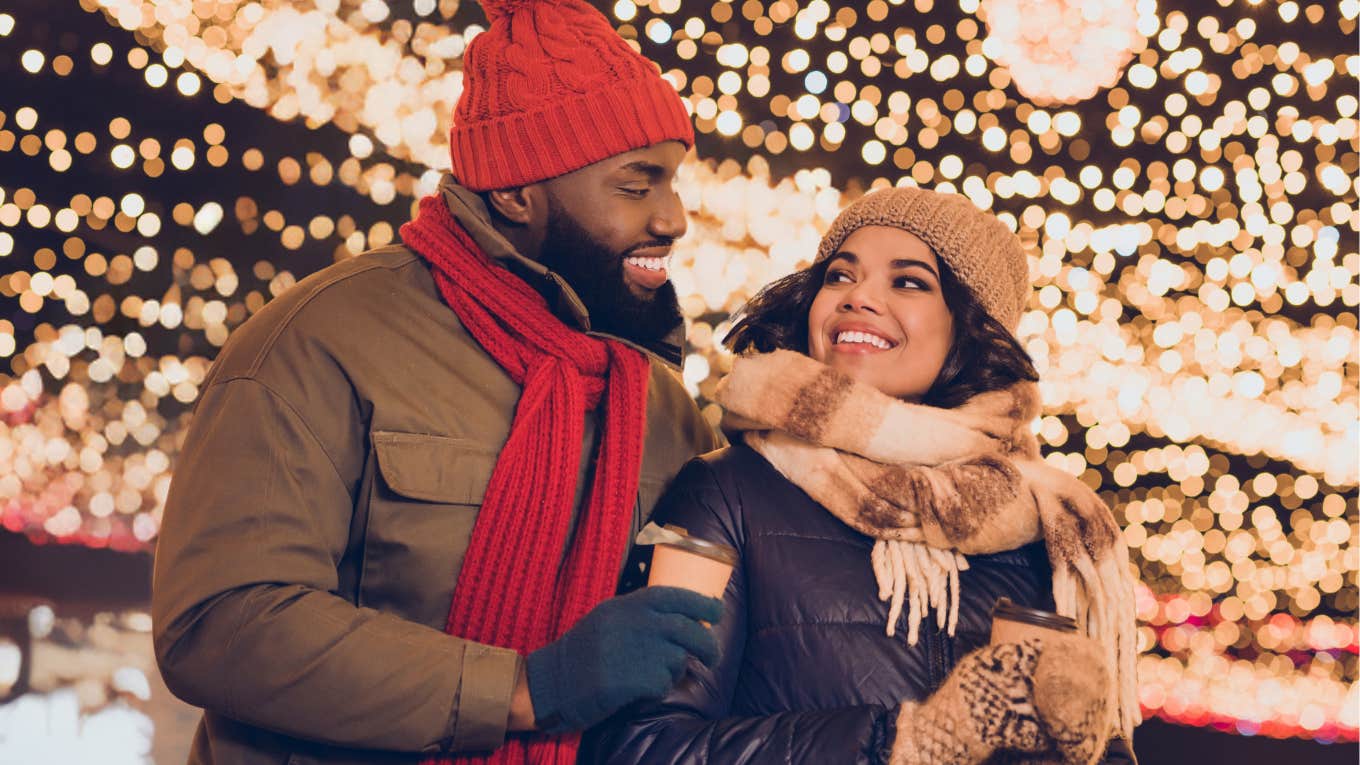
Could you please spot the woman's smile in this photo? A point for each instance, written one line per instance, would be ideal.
(857, 337)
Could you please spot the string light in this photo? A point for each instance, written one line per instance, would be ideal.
(1189, 210)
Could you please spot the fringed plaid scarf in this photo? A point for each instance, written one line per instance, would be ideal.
(932, 485)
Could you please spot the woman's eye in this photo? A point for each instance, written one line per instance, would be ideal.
(837, 277)
(634, 192)
(910, 282)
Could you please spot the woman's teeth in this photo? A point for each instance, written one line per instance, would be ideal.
(651, 264)
(863, 337)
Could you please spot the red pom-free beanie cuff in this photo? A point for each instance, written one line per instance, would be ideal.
(568, 134)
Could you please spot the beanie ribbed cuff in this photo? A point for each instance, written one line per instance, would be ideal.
(568, 134)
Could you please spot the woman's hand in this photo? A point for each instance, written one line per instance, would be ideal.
(1072, 696)
(1031, 697)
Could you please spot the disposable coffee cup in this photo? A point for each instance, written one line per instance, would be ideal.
(682, 560)
(1012, 623)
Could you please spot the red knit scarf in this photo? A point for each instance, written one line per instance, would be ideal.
(515, 589)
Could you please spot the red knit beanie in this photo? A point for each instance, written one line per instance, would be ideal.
(549, 88)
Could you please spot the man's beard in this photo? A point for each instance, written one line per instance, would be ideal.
(595, 273)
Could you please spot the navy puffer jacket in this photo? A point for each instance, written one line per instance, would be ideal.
(807, 673)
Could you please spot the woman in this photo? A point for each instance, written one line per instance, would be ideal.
(888, 482)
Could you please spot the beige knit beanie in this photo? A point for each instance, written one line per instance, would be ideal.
(981, 250)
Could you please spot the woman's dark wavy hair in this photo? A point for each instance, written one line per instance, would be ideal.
(984, 355)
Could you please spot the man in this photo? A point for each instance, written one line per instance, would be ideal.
(401, 512)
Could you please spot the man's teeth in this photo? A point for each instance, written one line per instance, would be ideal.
(862, 337)
(651, 264)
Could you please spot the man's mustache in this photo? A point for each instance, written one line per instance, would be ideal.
(666, 242)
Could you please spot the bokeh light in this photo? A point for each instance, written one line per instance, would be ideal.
(1189, 212)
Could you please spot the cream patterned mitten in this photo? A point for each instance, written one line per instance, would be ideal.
(1072, 695)
(984, 705)
(1050, 705)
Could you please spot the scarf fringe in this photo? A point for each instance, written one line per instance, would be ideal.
(927, 575)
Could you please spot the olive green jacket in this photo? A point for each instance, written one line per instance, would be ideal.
(322, 505)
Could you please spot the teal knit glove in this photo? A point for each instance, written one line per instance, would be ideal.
(627, 648)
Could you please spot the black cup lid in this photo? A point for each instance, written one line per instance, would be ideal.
(1005, 609)
(711, 550)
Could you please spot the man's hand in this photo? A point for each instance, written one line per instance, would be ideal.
(627, 648)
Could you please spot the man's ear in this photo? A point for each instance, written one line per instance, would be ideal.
(526, 205)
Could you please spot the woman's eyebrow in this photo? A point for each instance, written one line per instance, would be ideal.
(897, 263)
(912, 262)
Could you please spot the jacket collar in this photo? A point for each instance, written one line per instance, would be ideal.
(471, 213)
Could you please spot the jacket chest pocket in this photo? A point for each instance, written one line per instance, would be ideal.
(422, 508)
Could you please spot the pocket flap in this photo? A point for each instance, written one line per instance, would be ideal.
(433, 468)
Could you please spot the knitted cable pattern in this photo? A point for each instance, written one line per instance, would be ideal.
(549, 88)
